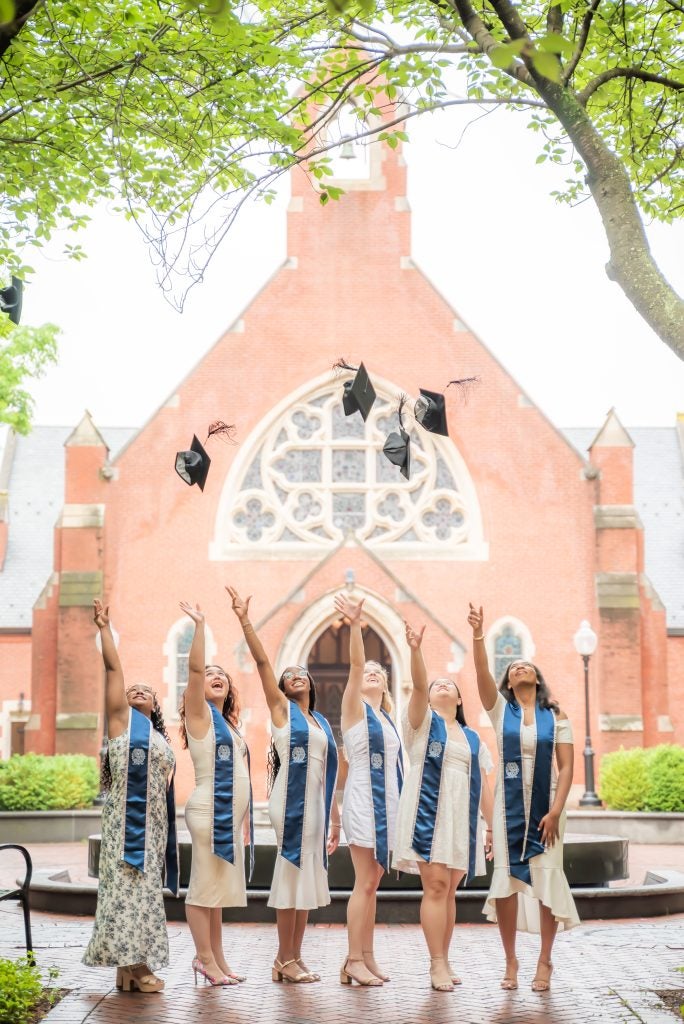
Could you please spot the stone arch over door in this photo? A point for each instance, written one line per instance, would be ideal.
(381, 618)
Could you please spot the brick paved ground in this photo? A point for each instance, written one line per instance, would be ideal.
(605, 971)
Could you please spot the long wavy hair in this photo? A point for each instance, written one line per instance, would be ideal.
(273, 758)
(157, 719)
(386, 703)
(230, 710)
(544, 698)
(460, 714)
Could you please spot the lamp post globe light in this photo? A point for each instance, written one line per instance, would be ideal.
(585, 641)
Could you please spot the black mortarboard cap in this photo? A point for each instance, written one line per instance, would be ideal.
(10, 299)
(397, 448)
(193, 466)
(430, 411)
(359, 394)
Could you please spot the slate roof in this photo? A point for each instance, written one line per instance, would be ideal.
(659, 498)
(36, 497)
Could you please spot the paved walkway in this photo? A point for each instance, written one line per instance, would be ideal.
(605, 971)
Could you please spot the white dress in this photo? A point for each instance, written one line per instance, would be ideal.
(451, 844)
(358, 819)
(549, 883)
(214, 882)
(305, 887)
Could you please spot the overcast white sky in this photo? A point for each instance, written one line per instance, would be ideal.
(525, 273)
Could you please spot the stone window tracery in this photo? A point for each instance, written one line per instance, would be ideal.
(314, 474)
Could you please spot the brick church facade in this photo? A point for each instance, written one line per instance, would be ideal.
(543, 528)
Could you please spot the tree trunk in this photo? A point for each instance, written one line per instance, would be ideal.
(23, 9)
(631, 263)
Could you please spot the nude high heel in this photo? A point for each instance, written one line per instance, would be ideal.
(346, 978)
(510, 983)
(542, 985)
(278, 973)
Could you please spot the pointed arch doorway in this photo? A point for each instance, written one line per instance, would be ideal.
(328, 663)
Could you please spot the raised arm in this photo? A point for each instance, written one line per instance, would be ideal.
(116, 703)
(419, 694)
(485, 681)
(196, 710)
(275, 698)
(352, 705)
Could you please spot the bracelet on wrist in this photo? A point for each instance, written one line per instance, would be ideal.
(480, 637)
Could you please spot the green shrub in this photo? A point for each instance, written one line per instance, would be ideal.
(21, 990)
(666, 778)
(639, 779)
(35, 782)
(625, 780)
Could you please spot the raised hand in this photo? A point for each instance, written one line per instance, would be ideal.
(240, 607)
(196, 613)
(476, 620)
(100, 614)
(413, 639)
(348, 609)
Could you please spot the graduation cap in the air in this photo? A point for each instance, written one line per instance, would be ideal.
(193, 466)
(397, 447)
(10, 299)
(359, 393)
(430, 411)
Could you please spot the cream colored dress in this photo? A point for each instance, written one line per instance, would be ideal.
(358, 818)
(305, 887)
(549, 883)
(214, 882)
(451, 842)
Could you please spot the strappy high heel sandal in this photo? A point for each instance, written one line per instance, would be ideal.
(314, 975)
(369, 961)
(347, 978)
(453, 975)
(278, 973)
(199, 968)
(542, 984)
(509, 982)
(128, 982)
(439, 986)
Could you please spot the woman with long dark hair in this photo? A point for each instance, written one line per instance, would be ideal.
(529, 890)
(443, 799)
(302, 774)
(371, 795)
(138, 831)
(217, 812)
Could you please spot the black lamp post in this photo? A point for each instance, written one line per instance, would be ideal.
(585, 641)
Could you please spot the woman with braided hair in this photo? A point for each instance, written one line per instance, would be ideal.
(138, 830)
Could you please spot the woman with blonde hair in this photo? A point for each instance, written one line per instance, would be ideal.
(445, 794)
(371, 795)
(218, 812)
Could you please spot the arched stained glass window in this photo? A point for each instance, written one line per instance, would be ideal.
(313, 475)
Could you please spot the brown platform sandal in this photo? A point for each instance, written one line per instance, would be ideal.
(128, 982)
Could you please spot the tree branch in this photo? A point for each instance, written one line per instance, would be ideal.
(23, 9)
(478, 31)
(581, 42)
(635, 72)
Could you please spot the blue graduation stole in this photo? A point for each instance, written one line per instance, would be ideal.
(222, 842)
(376, 757)
(297, 772)
(135, 825)
(523, 835)
(430, 783)
(475, 787)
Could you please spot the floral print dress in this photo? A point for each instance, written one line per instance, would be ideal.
(130, 920)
